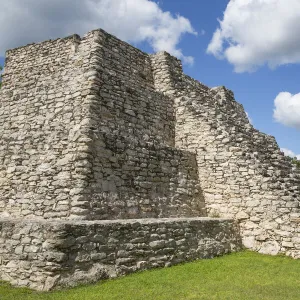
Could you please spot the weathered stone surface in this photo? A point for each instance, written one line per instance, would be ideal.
(69, 264)
(242, 172)
(271, 248)
(92, 128)
(84, 134)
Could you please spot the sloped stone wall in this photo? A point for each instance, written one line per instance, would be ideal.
(242, 172)
(44, 255)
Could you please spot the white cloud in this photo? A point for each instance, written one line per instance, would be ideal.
(287, 109)
(257, 32)
(24, 22)
(290, 153)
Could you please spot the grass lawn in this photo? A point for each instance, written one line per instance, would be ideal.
(238, 276)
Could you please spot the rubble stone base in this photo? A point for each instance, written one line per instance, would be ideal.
(49, 254)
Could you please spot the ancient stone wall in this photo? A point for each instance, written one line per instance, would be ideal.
(51, 254)
(92, 128)
(85, 135)
(43, 107)
(136, 171)
(242, 172)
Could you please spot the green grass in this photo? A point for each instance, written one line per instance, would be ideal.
(243, 275)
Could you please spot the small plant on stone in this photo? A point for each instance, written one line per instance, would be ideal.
(295, 161)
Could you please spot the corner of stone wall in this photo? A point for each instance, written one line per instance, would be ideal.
(81, 196)
(167, 72)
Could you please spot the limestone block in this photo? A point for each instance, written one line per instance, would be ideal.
(270, 247)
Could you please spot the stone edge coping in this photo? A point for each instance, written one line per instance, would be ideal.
(118, 221)
(76, 38)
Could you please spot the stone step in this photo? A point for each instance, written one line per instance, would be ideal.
(45, 255)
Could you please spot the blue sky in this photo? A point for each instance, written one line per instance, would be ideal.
(256, 90)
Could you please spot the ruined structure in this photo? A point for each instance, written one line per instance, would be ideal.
(111, 160)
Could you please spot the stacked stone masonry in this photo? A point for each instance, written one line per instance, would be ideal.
(84, 134)
(47, 254)
(94, 132)
(242, 172)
